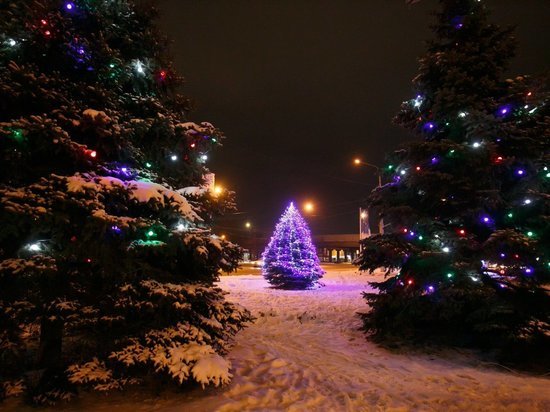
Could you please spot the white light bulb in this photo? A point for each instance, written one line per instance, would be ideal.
(174, 158)
(180, 227)
(11, 42)
(139, 67)
(476, 145)
(446, 249)
(34, 247)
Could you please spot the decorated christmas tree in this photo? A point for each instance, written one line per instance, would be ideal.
(468, 253)
(290, 260)
(107, 268)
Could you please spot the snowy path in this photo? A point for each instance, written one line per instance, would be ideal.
(304, 353)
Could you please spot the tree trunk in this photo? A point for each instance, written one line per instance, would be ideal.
(51, 336)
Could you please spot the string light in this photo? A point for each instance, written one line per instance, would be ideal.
(148, 165)
(174, 157)
(446, 249)
(530, 234)
(429, 126)
(150, 233)
(449, 275)
(475, 145)
(527, 202)
(93, 154)
(139, 67)
(520, 172)
(69, 6)
(34, 247)
(11, 42)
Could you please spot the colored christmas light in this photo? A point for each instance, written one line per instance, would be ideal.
(403, 172)
(11, 42)
(527, 201)
(520, 172)
(476, 145)
(462, 232)
(174, 157)
(93, 154)
(150, 233)
(446, 249)
(431, 289)
(148, 165)
(69, 6)
(116, 229)
(429, 126)
(409, 282)
(504, 110)
(417, 168)
(530, 234)
(449, 275)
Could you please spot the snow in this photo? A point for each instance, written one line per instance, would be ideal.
(305, 353)
(141, 191)
(99, 115)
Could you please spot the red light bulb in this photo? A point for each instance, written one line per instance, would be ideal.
(93, 153)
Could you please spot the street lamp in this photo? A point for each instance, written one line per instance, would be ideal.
(309, 207)
(362, 214)
(359, 162)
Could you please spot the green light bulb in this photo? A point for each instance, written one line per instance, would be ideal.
(150, 233)
(510, 215)
(449, 275)
(17, 134)
(420, 237)
(530, 234)
(148, 164)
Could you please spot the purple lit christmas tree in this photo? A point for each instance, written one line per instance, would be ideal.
(290, 260)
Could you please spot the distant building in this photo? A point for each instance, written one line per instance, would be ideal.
(337, 248)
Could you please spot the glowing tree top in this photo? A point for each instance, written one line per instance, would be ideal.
(290, 259)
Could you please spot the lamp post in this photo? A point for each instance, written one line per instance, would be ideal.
(358, 162)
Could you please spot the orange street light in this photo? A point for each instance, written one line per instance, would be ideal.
(309, 207)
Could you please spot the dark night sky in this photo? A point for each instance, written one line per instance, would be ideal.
(301, 87)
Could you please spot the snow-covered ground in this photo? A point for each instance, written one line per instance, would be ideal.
(305, 353)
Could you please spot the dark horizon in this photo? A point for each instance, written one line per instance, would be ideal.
(301, 88)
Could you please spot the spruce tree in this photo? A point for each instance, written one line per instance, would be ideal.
(290, 260)
(107, 269)
(468, 253)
